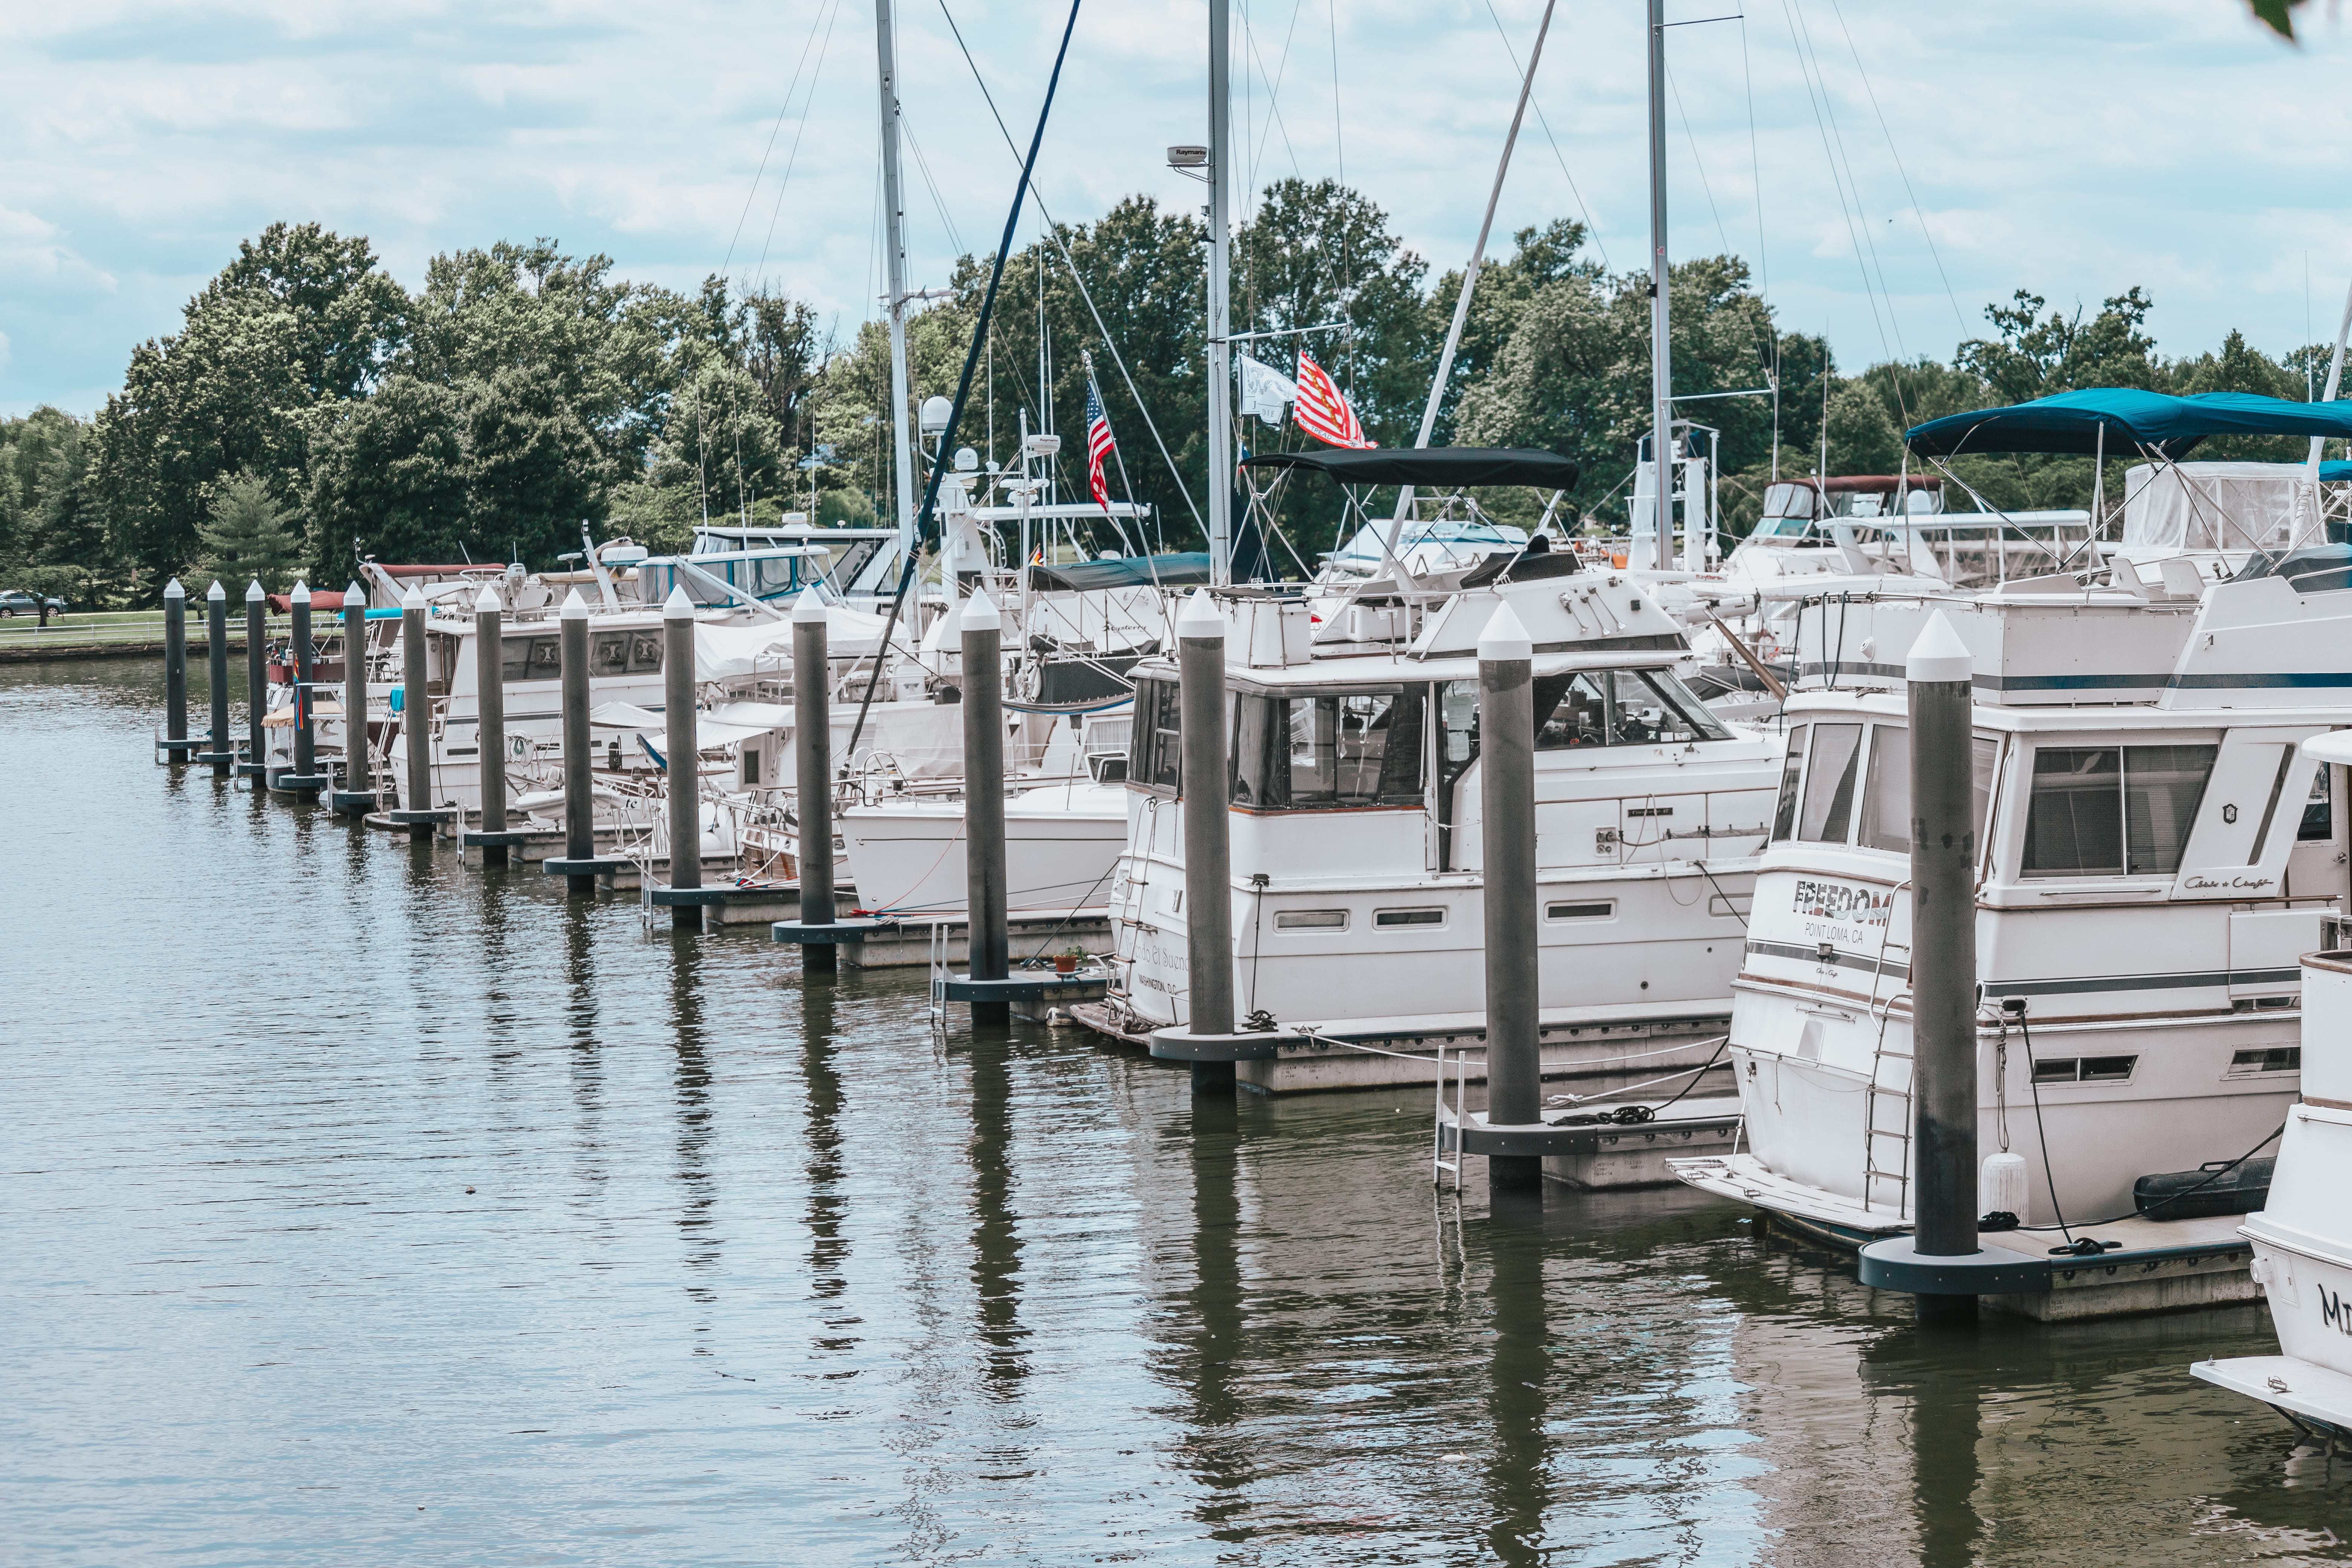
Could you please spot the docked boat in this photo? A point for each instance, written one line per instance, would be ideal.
(2155, 855)
(1356, 850)
(2302, 1239)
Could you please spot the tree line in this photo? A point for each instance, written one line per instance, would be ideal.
(311, 410)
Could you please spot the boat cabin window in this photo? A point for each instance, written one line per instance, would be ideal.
(624, 653)
(1156, 752)
(1329, 749)
(1619, 708)
(1818, 804)
(531, 658)
(2083, 1070)
(2318, 810)
(2112, 811)
(1828, 808)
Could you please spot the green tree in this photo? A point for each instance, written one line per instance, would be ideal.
(302, 320)
(2033, 355)
(246, 535)
(390, 479)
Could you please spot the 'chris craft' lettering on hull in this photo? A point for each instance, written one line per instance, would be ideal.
(2198, 884)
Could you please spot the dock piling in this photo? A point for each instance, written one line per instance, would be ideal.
(1507, 799)
(685, 767)
(989, 943)
(490, 706)
(306, 741)
(813, 772)
(256, 681)
(1939, 672)
(358, 770)
(1207, 839)
(223, 750)
(175, 669)
(579, 785)
(415, 716)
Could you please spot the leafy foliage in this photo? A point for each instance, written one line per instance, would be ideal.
(524, 393)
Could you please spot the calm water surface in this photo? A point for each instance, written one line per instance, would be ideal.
(362, 1209)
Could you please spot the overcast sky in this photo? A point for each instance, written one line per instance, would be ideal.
(1962, 151)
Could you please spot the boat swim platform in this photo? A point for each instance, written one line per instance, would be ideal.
(1594, 1047)
(2316, 1399)
(2156, 1265)
(887, 938)
(1607, 1146)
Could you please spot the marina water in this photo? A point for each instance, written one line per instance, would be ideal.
(362, 1208)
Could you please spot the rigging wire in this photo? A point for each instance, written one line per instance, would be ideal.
(1592, 229)
(1853, 184)
(792, 159)
(1698, 162)
(1274, 91)
(907, 128)
(1925, 233)
(787, 108)
(1807, 71)
(1053, 229)
(1338, 136)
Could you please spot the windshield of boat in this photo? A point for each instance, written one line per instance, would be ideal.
(1479, 536)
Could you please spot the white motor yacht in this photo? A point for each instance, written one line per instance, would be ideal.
(2154, 854)
(1356, 855)
(2301, 1238)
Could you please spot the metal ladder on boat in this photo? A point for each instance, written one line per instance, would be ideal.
(1877, 1102)
(1440, 1167)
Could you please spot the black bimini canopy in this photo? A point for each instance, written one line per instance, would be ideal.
(1430, 467)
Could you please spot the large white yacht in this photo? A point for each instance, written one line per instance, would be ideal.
(1354, 797)
(2154, 854)
(2301, 1238)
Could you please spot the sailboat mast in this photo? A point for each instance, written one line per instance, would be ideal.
(894, 242)
(1470, 274)
(1662, 380)
(1221, 419)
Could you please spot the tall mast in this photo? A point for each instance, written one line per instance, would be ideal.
(1662, 379)
(1470, 274)
(1221, 418)
(894, 244)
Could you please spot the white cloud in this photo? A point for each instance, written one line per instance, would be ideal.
(2071, 150)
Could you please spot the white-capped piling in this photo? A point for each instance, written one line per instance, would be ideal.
(175, 668)
(1208, 840)
(812, 771)
(988, 941)
(357, 768)
(220, 751)
(1939, 673)
(685, 766)
(256, 681)
(579, 783)
(1507, 803)
(490, 706)
(415, 717)
(306, 743)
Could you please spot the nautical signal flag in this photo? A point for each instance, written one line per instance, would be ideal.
(1321, 411)
(1099, 444)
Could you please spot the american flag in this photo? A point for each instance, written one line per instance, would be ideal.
(1321, 411)
(1099, 444)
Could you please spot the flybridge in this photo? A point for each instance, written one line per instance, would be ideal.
(2278, 640)
(1564, 609)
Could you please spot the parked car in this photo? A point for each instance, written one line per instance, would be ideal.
(17, 602)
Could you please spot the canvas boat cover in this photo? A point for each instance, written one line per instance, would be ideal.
(1188, 569)
(2150, 423)
(1430, 468)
